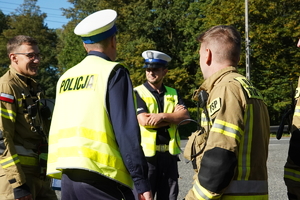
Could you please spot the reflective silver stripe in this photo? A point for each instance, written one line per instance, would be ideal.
(25, 152)
(297, 111)
(199, 192)
(12, 160)
(162, 147)
(8, 114)
(227, 129)
(292, 174)
(247, 187)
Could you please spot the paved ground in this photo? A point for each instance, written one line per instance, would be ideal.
(277, 156)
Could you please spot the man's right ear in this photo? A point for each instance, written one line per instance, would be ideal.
(208, 56)
(113, 41)
(13, 57)
(85, 47)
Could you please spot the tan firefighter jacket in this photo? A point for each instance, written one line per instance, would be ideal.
(292, 166)
(19, 134)
(233, 150)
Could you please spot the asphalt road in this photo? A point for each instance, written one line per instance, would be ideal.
(277, 157)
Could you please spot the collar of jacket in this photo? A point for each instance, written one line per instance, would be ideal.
(99, 54)
(151, 89)
(27, 80)
(209, 83)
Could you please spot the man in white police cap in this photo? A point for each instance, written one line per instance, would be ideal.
(159, 110)
(94, 140)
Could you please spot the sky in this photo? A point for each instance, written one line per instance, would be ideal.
(54, 19)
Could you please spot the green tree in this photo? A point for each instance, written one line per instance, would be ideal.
(70, 46)
(163, 25)
(28, 20)
(171, 26)
(167, 26)
(3, 53)
(273, 29)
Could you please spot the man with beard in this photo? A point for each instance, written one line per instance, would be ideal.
(159, 110)
(23, 143)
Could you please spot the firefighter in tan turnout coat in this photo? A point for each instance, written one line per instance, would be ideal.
(292, 166)
(233, 146)
(23, 143)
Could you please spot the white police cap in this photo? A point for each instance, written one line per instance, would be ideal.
(97, 26)
(155, 59)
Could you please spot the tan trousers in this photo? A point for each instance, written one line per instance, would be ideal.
(39, 189)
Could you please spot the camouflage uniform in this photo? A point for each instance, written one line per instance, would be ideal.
(23, 148)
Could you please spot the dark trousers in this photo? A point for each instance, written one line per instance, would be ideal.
(84, 185)
(163, 176)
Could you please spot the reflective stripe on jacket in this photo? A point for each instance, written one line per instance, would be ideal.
(86, 141)
(233, 161)
(16, 125)
(148, 134)
(292, 166)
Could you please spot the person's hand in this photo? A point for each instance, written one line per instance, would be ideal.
(179, 107)
(28, 197)
(145, 196)
(154, 118)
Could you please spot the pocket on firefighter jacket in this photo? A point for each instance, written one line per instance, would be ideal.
(195, 144)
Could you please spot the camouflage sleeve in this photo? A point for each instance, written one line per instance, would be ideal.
(9, 161)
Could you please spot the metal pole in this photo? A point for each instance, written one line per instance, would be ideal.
(247, 42)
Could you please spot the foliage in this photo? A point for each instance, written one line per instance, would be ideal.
(3, 54)
(28, 20)
(273, 30)
(171, 26)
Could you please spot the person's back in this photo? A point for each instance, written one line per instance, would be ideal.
(94, 135)
(232, 162)
(292, 166)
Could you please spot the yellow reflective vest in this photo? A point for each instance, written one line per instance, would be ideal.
(233, 158)
(148, 134)
(81, 134)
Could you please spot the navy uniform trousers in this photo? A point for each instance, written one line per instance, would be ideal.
(163, 175)
(83, 185)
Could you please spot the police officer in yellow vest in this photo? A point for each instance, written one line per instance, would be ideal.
(159, 110)
(235, 150)
(292, 166)
(94, 141)
(23, 139)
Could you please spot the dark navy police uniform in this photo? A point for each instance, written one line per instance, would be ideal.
(81, 181)
(162, 167)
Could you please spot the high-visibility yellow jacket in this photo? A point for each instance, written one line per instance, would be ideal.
(18, 137)
(234, 156)
(292, 166)
(86, 141)
(148, 134)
